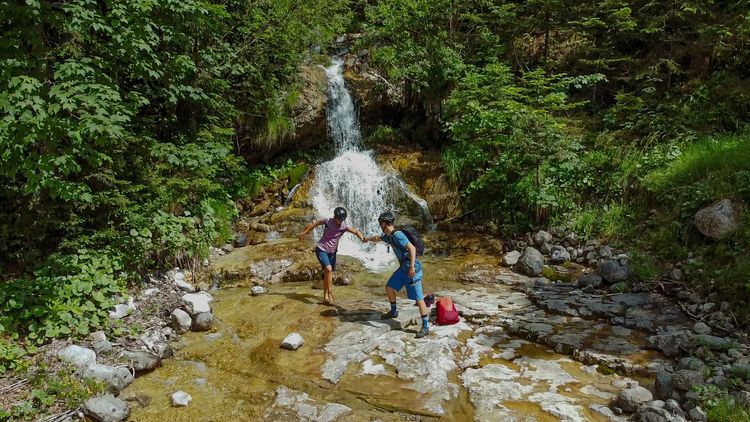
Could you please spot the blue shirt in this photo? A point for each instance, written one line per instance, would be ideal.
(399, 242)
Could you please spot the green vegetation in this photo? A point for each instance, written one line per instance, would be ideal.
(719, 406)
(617, 119)
(117, 139)
(50, 391)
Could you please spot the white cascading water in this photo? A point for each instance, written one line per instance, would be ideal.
(351, 180)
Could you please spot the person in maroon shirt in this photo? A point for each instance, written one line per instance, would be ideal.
(328, 245)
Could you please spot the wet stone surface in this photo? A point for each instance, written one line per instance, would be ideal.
(525, 349)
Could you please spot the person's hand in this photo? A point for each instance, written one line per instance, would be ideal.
(412, 272)
(301, 236)
(362, 238)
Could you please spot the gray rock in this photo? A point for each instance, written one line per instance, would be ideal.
(701, 327)
(663, 385)
(78, 356)
(141, 360)
(292, 342)
(740, 370)
(181, 282)
(181, 399)
(203, 321)
(718, 220)
(298, 406)
(545, 249)
(116, 379)
(106, 408)
(541, 237)
(197, 303)
(559, 255)
(692, 363)
(612, 271)
(227, 248)
(685, 379)
(240, 240)
(713, 342)
(572, 239)
(672, 342)
(572, 252)
(676, 274)
(511, 258)
(99, 342)
(742, 397)
(530, 263)
(697, 414)
(181, 321)
(589, 279)
(258, 290)
(605, 252)
(630, 398)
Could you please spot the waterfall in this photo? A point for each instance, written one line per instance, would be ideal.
(352, 179)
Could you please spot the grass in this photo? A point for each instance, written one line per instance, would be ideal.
(725, 409)
(712, 160)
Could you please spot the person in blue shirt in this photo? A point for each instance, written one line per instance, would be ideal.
(409, 272)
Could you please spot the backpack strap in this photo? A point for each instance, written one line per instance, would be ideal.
(397, 246)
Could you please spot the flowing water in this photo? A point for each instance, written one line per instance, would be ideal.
(470, 371)
(352, 179)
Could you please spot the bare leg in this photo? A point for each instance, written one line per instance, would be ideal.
(392, 295)
(328, 283)
(422, 307)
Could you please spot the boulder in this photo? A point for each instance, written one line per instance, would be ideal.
(182, 283)
(181, 399)
(511, 258)
(541, 237)
(713, 342)
(78, 356)
(115, 379)
(589, 279)
(141, 360)
(99, 342)
(292, 342)
(701, 327)
(630, 398)
(612, 271)
(719, 219)
(663, 385)
(558, 255)
(181, 321)
(197, 303)
(685, 379)
(203, 321)
(240, 240)
(572, 239)
(698, 414)
(106, 408)
(671, 342)
(530, 262)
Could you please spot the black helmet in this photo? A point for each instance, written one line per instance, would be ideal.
(339, 213)
(387, 217)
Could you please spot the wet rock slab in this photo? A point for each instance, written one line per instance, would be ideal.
(296, 405)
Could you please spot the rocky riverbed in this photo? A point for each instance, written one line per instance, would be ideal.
(527, 348)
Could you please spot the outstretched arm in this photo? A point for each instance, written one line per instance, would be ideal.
(357, 233)
(309, 227)
(372, 239)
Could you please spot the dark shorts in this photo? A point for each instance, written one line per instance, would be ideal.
(326, 259)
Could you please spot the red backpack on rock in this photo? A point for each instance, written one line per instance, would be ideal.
(446, 311)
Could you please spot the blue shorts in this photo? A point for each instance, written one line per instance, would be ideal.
(400, 278)
(326, 259)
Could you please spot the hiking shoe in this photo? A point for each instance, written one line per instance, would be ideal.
(423, 332)
(389, 315)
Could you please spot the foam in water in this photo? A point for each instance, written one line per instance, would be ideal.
(352, 180)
